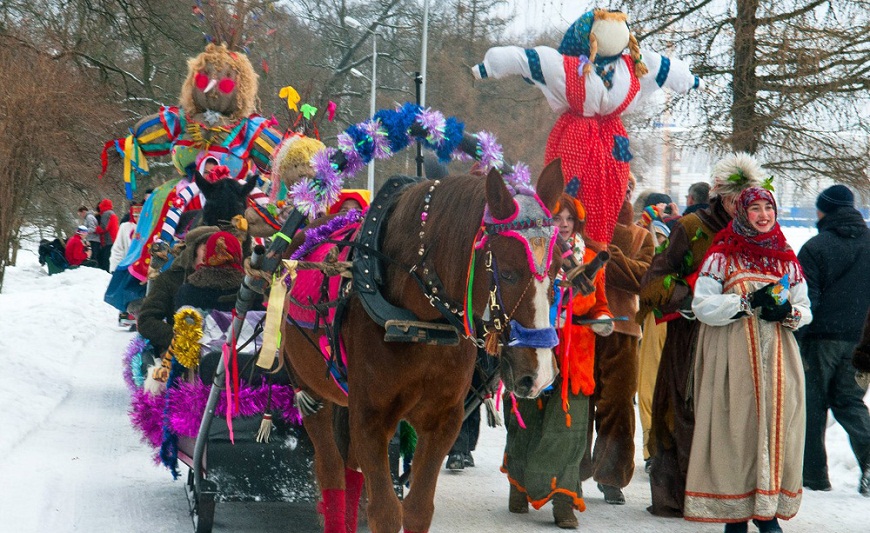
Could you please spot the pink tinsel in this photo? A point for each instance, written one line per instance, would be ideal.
(187, 404)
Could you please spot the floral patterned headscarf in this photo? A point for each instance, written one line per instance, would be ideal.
(768, 252)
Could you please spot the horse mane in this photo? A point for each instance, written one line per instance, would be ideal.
(455, 213)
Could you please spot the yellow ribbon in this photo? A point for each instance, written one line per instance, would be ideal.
(292, 97)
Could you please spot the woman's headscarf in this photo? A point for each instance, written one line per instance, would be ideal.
(769, 253)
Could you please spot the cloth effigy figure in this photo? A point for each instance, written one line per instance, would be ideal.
(591, 80)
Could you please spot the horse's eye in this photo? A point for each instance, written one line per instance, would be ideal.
(509, 276)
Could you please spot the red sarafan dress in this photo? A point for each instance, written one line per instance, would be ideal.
(594, 149)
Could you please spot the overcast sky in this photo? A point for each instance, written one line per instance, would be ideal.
(541, 14)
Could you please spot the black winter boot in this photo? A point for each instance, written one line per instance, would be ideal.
(737, 527)
(767, 526)
(455, 461)
(864, 485)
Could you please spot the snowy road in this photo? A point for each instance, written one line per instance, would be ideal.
(72, 462)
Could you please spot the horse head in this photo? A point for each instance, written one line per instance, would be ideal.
(225, 198)
(519, 240)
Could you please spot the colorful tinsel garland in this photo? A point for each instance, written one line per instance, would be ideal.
(186, 401)
(388, 132)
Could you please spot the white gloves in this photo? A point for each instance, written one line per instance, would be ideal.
(604, 329)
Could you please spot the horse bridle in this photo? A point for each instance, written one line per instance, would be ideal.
(497, 325)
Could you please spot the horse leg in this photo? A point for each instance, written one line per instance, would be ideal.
(371, 435)
(353, 478)
(329, 467)
(353, 485)
(436, 437)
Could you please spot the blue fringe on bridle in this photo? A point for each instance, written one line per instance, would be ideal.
(521, 337)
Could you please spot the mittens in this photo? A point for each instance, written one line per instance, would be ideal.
(776, 313)
(762, 297)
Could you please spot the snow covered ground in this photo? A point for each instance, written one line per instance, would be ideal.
(70, 461)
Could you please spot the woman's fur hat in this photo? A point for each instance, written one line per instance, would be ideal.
(734, 173)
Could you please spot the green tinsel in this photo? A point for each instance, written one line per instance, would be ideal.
(407, 439)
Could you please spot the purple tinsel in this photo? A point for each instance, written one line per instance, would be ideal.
(380, 142)
(433, 122)
(136, 346)
(314, 237)
(353, 163)
(489, 152)
(312, 196)
(520, 179)
(146, 414)
(187, 404)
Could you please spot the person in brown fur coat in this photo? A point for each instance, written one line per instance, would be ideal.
(611, 463)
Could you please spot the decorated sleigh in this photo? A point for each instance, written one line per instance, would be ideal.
(227, 462)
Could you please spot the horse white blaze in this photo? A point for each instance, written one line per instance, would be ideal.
(546, 362)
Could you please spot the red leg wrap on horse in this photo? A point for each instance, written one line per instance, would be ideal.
(332, 509)
(353, 483)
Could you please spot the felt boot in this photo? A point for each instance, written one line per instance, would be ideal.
(517, 501)
(612, 495)
(332, 507)
(563, 511)
(353, 485)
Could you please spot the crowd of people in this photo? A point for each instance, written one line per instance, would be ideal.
(732, 347)
(729, 344)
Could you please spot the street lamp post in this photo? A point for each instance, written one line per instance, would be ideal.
(354, 23)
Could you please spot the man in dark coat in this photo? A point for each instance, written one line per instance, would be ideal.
(698, 197)
(836, 264)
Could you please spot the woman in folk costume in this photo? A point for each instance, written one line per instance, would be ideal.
(747, 451)
(546, 436)
(666, 291)
(591, 80)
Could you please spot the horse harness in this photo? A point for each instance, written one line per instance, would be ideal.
(401, 325)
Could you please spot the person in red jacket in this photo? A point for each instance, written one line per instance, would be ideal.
(78, 251)
(107, 230)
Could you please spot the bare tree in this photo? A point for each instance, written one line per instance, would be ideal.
(788, 80)
(48, 135)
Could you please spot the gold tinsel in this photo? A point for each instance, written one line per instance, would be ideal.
(187, 331)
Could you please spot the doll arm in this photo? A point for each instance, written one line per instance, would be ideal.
(263, 148)
(667, 72)
(541, 66)
(709, 304)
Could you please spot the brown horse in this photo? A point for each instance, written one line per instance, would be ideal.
(426, 385)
